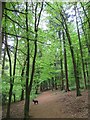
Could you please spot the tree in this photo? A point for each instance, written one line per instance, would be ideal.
(29, 85)
(12, 79)
(2, 6)
(65, 62)
(83, 66)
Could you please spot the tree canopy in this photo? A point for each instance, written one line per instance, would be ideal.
(45, 45)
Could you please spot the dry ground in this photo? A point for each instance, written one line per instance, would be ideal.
(54, 105)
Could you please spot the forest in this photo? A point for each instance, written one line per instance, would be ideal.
(45, 51)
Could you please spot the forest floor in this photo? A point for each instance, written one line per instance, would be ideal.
(54, 104)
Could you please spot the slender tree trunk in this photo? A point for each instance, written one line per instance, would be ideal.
(33, 65)
(83, 66)
(52, 83)
(87, 70)
(11, 84)
(78, 68)
(41, 87)
(10, 72)
(49, 84)
(22, 74)
(62, 74)
(87, 14)
(56, 83)
(14, 97)
(88, 47)
(0, 30)
(3, 63)
(22, 95)
(65, 62)
(11, 78)
(61, 63)
(84, 31)
(27, 95)
(2, 6)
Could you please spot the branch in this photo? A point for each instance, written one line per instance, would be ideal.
(23, 37)
(14, 10)
(17, 36)
(36, 17)
(39, 15)
(12, 47)
(13, 21)
(85, 14)
(55, 10)
(17, 58)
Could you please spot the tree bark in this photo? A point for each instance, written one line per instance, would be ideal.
(12, 79)
(11, 84)
(61, 63)
(22, 74)
(14, 70)
(78, 68)
(62, 75)
(84, 31)
(27, 96)
(2, 6)
(3, 63)
(65, 64)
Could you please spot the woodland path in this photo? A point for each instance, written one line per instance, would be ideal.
(55, 104)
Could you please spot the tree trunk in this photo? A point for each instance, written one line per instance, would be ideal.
(41, 87)
(56, 83)
(65, 64)
(9, 102)
(27, 95)
(0, 30)
(84, 31)
(61, 63)
(33, 65)
(11, 83)
(88, 32)
(22, 94)
(14, 97)
(22, 74)
(62, 81)
(2, 6)
(11, 79)
(3, 63)
(78, 68)
(87, 70)
(52, 83)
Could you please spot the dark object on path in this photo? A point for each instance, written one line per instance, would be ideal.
(35, 101)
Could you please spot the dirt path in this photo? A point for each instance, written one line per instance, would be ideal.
(55, 105)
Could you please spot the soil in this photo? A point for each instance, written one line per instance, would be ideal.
(54, 104)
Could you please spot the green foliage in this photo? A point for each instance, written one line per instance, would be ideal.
(50, 47)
